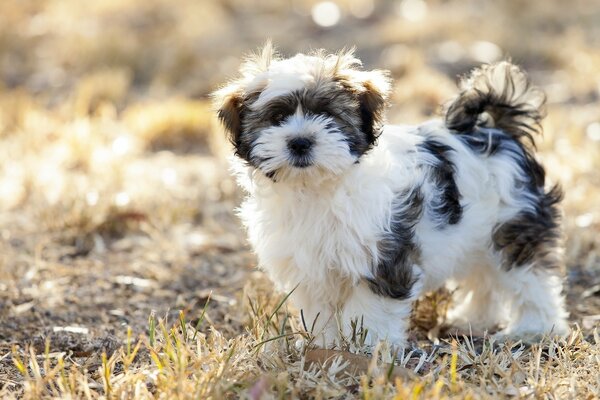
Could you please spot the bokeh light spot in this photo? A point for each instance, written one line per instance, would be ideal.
(584, 220)
(450, 51)
(326, 14)
(593, 131)
(121, 145)
(91, 198)
(169, 176)
(122, 199)
(362, 8)
(485, 52)
(412, 10)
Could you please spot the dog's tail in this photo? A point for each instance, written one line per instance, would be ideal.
(498, 96)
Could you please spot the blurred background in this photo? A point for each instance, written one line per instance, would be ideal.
(115, 198)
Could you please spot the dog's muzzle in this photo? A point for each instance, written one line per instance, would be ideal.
(300, 149)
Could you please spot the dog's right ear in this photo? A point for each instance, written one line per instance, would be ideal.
(230, 100)
(229, 104)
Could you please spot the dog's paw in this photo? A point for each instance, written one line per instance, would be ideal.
(528, 336)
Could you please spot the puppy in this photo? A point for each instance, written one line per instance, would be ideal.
(357, 218)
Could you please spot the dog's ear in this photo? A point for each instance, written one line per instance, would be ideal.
(230, 101)
(372, 89)
(373, 92)
(229, 104)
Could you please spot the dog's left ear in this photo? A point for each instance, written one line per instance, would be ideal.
(372, 89)
(373, 92)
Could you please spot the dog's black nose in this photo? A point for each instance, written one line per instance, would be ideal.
(300, 146)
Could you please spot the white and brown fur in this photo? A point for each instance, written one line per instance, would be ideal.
(362, 217)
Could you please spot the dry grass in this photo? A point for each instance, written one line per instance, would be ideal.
(116, 221)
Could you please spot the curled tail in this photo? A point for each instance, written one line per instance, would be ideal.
(498, 96)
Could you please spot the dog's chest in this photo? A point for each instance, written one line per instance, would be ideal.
(300, 237)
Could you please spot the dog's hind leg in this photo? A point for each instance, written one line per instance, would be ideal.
(530, 260)
(478, 304)
(537, 305)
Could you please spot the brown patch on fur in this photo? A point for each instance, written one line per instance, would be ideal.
(371, 89)
(373, 103)
(229, 114)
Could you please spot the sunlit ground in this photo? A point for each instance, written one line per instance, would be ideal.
(116, 202)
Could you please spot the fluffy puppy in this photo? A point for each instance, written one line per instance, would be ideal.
(358, 218)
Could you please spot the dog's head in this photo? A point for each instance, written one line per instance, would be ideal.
(304, 116)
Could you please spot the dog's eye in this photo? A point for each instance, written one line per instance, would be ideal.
(278, 118)
(326, 113)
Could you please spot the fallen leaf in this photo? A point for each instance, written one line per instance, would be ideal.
(356, 363)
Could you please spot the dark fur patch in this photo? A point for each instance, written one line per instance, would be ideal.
(490, 142)
(230, 115)
(394, 275)
(372, 109)
(445, 209)
(343, 107)
(532, 235)
(233, 115)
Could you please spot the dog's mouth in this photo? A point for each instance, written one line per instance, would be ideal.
(304, 166)
(296, 167)
(294, 164)
(301, 162)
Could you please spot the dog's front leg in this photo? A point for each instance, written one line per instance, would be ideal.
(377, 317)
(316, 316)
